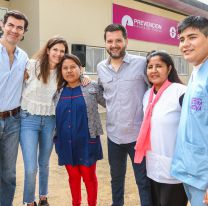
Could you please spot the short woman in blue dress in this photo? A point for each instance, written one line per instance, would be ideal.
(78, 129)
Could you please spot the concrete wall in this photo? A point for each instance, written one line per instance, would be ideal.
(4, 4)
(79, 21)
(30, 8)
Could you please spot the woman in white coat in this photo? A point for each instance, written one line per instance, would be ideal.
(157, 135)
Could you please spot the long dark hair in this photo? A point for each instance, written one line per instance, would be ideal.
(61, 81)
(42, 57)
(166, 58)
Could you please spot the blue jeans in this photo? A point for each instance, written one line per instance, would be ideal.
(9, 141)
(36, 142)
(117, 157)
(195, 196)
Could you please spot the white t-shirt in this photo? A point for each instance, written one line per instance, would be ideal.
(164, 125)
(37, 97)
(194, 72)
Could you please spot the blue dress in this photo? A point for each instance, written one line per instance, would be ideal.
(73, 143)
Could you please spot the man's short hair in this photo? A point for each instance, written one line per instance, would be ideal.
(115, 27)
(196, 22)
(17, 15)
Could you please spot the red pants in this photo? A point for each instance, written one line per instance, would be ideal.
(90, 179)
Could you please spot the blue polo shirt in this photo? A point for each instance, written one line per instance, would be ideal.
(190, 161)
(11, 78)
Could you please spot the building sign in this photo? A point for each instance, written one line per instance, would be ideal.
(146, 27)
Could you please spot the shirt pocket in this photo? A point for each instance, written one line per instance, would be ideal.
(109, 87)
(18, 73)
(94, 147)
(130, 84)
(195, 158)
(107, 82)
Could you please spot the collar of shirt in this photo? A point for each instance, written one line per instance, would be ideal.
(126, 59)
(3, 49)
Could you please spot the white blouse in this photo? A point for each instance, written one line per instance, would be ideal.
(164, 124)
(37, 97)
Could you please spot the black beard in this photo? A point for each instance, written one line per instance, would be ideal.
(120, 55)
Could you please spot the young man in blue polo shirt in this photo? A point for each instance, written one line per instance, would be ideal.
(190, 162)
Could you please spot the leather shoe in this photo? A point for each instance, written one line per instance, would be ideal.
(43, 202)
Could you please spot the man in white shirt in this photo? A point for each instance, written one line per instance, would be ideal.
(12, 66)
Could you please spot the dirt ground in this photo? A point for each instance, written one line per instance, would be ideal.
(59, 192)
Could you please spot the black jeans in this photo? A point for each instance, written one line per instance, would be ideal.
(117, 156)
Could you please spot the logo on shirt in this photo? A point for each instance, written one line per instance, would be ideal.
(196, 104)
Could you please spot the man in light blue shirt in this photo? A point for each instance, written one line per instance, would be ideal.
(12, 65)
(190, 161)
(124, 81)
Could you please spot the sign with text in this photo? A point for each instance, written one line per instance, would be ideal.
(146, 27)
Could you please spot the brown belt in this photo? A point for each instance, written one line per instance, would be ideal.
(4, 115)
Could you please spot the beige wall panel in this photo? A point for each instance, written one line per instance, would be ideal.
(4, 4)
(30, 8)
(79, 21)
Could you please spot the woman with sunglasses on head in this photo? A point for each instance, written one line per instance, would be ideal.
(157, 135)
